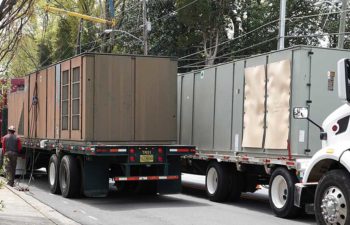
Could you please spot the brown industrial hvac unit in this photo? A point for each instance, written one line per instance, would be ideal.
(100, 98)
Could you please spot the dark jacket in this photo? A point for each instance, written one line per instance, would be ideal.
(11, 143)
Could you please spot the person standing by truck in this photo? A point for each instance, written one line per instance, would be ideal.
(11, 147)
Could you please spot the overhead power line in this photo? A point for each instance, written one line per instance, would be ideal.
(197, 64)
(233, 39)
(231, 54)
(262, 26)
(317, 35)
(173, 13)
(315, 15)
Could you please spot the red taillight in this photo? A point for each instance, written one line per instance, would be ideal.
(132, 151)
(160, 150)
(183, 150)
(132, 158)
(160, 159)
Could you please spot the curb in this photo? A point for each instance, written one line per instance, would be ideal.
(45, 210)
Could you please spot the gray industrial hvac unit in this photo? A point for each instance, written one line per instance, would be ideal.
(244, 107)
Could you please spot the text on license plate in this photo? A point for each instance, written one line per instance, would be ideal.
(146, 158)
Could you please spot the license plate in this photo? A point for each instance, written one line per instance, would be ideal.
(146, 158)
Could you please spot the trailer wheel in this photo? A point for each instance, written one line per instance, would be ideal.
(281, 193)
(217, 182)
(332, 198)
(70, 177)
(52, 174)
(236, 186)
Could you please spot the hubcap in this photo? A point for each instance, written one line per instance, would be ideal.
(279, 191)
(52, 173)
(333, 207)
(212, 180)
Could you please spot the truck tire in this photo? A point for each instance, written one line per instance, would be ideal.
(236, 186)
(281, 193)
(332, 198)
(70, 177)
(52, 174)
(217, 182)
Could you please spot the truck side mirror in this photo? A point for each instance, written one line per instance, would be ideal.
(344, 79)
(300, 113)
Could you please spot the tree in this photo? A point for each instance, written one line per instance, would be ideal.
(44, 53)
(257, 30)
(208, 18)
(14, 15)
(25, 60)
(89, 29)
(129, 18)
(168, 36)
(65, 40)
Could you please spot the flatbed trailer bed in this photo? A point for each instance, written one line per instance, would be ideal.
(99, 163)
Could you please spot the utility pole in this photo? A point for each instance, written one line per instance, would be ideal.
(282, 24)
(145, 29)
(342, 24)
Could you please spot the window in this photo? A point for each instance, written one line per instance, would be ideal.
(76, 99)
(65, 100)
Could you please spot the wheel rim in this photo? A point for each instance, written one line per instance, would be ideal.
(333, 206)
(52, 173)
(212, 180)
(279, 191)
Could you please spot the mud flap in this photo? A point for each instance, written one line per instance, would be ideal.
(304, 194)
(95, 181)
(173, 169)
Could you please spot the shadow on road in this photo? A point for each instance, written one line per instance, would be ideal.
(120, 201)
(253, 202)
(116, 201)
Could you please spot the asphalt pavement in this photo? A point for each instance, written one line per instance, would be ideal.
(189, 207)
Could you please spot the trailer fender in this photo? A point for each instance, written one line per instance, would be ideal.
(323, 160)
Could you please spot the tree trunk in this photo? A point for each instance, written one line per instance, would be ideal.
(211, 52)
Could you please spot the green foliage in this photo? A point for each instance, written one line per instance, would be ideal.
(164, 37)
(44, 53)
(65, 45)
(179, 28)
(26, 58)
(131, 22)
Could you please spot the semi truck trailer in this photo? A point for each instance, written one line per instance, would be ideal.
(95, 118)
(240, 117)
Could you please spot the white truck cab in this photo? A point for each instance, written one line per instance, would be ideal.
(326, 179)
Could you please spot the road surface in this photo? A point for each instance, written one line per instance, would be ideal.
(187, 208)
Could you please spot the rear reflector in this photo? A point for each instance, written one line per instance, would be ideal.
(113, 150)
(182, 150)
(146, 178)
